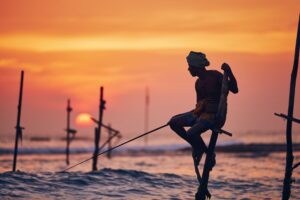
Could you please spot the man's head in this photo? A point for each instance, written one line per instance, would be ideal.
(197, 62)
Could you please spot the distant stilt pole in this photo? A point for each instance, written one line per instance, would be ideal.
(110, 133)
(70, 132)
(69, 109)
(18, 126)
(286, 192)
(98, 130)
(146, 122)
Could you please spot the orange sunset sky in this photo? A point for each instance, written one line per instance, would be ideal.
(70, 48)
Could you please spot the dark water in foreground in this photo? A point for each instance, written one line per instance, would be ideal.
(104, 184)
(165, 176)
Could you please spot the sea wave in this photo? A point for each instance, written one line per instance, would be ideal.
(104, 184)
(129, 184)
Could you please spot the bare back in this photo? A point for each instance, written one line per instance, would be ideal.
(209, 88)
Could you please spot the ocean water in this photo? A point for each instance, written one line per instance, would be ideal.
(159, 171)
(164, 176)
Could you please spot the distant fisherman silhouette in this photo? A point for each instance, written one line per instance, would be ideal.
(202, 118)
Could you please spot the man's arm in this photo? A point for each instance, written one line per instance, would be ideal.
(232, 81)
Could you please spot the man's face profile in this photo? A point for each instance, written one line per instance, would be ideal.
(192, 70)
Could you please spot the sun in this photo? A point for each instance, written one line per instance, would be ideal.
(84, 119)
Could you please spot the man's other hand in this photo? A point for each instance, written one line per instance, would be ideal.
(226, 68)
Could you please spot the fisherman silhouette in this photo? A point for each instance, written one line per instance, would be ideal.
(202, 118)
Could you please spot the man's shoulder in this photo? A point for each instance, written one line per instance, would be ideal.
(215, 73)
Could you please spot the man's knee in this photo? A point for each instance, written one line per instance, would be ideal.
(173, 123)
(182, 120)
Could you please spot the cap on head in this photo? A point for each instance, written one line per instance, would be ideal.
(197, 59)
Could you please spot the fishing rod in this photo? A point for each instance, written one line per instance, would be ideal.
(156, 129)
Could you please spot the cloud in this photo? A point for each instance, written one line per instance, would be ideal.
(227, 26)
(92, 18)
(227, 42)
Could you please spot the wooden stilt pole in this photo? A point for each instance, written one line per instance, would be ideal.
(146, 122)
(207, 193)
(70, 132)
(18, 126)
(286, 192)
(109, 141)
(112, 133)
(98, 130)
(69, 109)
(202, 190)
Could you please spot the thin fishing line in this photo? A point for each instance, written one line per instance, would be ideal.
(116, 147)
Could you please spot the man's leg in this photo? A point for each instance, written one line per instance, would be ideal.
(199, 146)
(178, 122)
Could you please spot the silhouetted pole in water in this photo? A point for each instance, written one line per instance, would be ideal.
(109, 141)
(146, 122)
(202, 190)
(18, 126)
(98, 130)
(69, 131)
(286, 192)
(111, 134)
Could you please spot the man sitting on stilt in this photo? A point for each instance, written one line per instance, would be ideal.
(202, 118)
